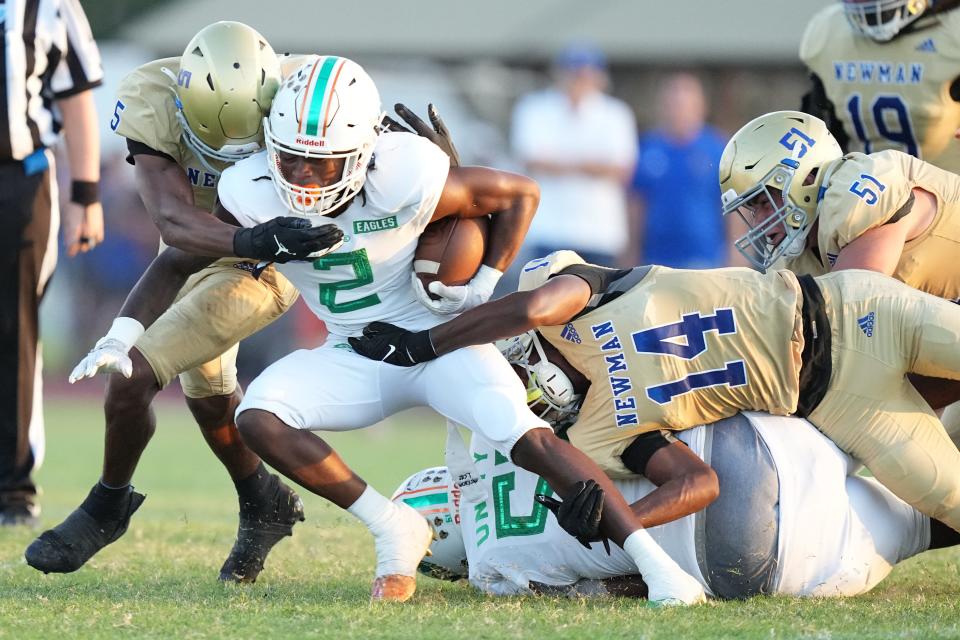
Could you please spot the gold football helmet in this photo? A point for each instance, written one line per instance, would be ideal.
(228, 76)
(771, 173)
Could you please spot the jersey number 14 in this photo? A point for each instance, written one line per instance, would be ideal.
(692, 328)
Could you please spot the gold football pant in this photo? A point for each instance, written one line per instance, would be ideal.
(881, 329)
(197, 337)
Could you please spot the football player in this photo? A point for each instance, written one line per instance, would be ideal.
(884, 76)
(657, 348)
(792, 520)
(816, 210)
(327, 158)
(186, 119)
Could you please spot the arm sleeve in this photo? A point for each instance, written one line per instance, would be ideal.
(636, 456)
(79, 68)
(599, 278)
(135, 148)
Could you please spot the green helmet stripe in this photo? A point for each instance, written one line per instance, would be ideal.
(319, 93)
(427, 500)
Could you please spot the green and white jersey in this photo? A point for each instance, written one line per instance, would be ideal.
(839, 534)
(368, 278)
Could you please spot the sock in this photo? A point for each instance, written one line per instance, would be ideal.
(649, 557)
(257, 489)
(373, 510)
(107, 503)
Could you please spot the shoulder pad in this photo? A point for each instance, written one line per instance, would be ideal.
(538, 271)
(246, 191)
(820, 29)
(404, 167)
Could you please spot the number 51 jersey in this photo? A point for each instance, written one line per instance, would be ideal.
(368, 278)
(679, 348)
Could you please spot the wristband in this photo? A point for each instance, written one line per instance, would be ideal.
(487, 276)
(125, 331)
(85, 192)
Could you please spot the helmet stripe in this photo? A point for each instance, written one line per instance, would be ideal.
(300, 120)
(319, 96)
(426, 501)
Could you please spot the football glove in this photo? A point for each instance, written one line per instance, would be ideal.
(287, 238)
(455, 299)
(438, 134)
(107, 356)
(393, 345)
(579, 515)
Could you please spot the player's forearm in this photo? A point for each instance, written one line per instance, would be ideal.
(508, 227)
(157, 288)
(675, 499)
(487, 323)
(195, 231)
(82, 135)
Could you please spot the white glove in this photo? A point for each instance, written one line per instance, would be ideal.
(109, 355)
(459, 298)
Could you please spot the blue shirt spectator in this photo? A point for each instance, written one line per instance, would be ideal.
(675, 186)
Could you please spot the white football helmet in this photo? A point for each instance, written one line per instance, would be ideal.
(882, 20)
(328, 108)
(550, 393)
(434, 495)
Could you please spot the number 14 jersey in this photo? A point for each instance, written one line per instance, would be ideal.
(682, 348)
(368, 278)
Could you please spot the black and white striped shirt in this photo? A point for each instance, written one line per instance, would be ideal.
(47, 52)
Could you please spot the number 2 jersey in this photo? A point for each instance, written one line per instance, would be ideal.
(867, 191)
(671, 349)
(368, 278)
(891, 95)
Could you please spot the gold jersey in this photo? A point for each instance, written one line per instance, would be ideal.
(892, 95)
(867, 191)
(146, 112)
(680, 348)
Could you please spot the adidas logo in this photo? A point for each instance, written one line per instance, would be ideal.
(927, 46)
(866, 324)
(570, 334)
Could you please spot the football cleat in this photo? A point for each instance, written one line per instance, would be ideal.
(259, 531)
(399, 553)
(69, 545)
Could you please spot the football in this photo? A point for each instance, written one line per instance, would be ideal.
(451, 251)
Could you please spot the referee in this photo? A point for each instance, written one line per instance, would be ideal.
(49, 64)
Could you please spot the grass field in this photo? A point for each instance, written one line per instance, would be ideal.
(160, 579)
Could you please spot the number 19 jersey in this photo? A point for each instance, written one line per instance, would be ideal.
(681, 348)
(368, 278)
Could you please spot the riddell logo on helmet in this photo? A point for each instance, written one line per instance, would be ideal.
(310, 142)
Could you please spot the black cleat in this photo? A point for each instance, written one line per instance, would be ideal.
(19, 515)
(69, 545)
(261, 528)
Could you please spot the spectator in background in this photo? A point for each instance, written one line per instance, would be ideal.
(675, 197)
(578, 143)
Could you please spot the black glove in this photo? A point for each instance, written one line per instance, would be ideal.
(438, 134)
(285, 239)
(389, 343)
(579, 515)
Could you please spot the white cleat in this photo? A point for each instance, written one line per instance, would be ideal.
(675, 589)
(399, 552)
